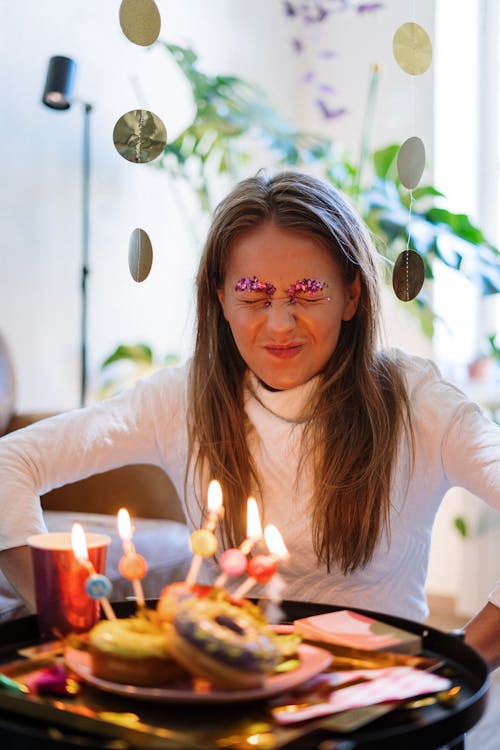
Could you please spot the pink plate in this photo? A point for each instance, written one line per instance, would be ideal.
(312, 661)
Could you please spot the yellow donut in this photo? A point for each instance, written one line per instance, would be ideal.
(131, 651)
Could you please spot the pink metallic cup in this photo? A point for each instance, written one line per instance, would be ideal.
(63, 606)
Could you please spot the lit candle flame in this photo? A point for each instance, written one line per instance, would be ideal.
(214, 498)
(79, 543)
(275, 542)
(254, 526)
(124, 525)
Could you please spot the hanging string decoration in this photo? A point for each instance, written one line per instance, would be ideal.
(140, 255)
(412, 49)
(140, 136)
(140, 21)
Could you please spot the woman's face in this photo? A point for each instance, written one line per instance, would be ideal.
(284, 299)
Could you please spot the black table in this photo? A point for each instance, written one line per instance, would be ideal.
(434, 726)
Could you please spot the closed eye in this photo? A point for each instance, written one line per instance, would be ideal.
(311, 300)
(255, 303)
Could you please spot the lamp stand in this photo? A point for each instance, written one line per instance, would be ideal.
(87, 109)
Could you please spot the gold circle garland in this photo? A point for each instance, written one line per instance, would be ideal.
(139, 136)
(140, 21)
(140, 255)
(408, 275)
(411, 162)
(412, 48)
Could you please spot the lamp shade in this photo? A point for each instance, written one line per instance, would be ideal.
(59, 82)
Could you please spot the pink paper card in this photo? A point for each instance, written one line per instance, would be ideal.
(351, 629)
(380, 685)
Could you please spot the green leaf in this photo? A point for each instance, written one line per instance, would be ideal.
(459, 223)
(426, 191)
(461, 526)
(170, 360)
(140, 353)
(384, 159)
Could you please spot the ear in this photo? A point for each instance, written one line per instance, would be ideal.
(220, 295)
(352, 295)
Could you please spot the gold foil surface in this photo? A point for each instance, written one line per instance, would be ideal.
(412, 48)
(140, 21)
(140, 255)
(408, 275)
(411, 162)
(139, 136)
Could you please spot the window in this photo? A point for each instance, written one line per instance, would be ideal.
(467, 133)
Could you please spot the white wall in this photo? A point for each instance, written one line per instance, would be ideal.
(41, 162)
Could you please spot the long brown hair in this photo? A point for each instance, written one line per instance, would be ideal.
(362, 408)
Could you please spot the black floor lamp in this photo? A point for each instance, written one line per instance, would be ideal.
(57, 95)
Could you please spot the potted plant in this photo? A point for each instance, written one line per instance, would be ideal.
(232, 115)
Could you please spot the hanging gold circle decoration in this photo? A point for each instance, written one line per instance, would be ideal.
(412, 48)
(140, 255)
(140, 21)
(139, 136)
(411, 162)
(408, 275)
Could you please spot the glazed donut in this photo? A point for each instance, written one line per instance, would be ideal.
(174, 593)
(221, 643)
(131, 651)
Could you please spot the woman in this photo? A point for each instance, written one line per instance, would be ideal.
(349, 450)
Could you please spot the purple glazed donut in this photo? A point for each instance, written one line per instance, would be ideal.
(222, 643)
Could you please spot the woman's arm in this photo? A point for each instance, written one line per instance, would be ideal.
(483, 631)
(16, 564)
(75, 445)
(483, 634)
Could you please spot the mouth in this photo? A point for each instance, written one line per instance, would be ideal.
(284, 351)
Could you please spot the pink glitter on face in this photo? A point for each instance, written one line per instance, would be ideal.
(247, 284)
(307, 286)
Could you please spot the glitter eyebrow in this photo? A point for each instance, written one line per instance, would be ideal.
(304, 286)
(247, 284)
(307, 286)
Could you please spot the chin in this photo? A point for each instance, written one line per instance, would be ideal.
(283, 383)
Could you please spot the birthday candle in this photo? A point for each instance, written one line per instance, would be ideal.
(261, 568)
(203, 541)
(97, 585)
(233, 562)
(132, 566)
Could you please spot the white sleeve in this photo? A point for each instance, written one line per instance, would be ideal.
(468, 442)
(494, 596)
(471, 453)
(128, 428)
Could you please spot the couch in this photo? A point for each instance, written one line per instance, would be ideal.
(160, 532)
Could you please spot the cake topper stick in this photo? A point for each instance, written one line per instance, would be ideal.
(132, 566)
(97, 585)
(203, 541)
(233, 562)
(261, 568)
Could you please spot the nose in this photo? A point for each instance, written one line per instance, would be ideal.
(281, 315)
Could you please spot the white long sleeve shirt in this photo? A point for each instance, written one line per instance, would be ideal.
(456, 445)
